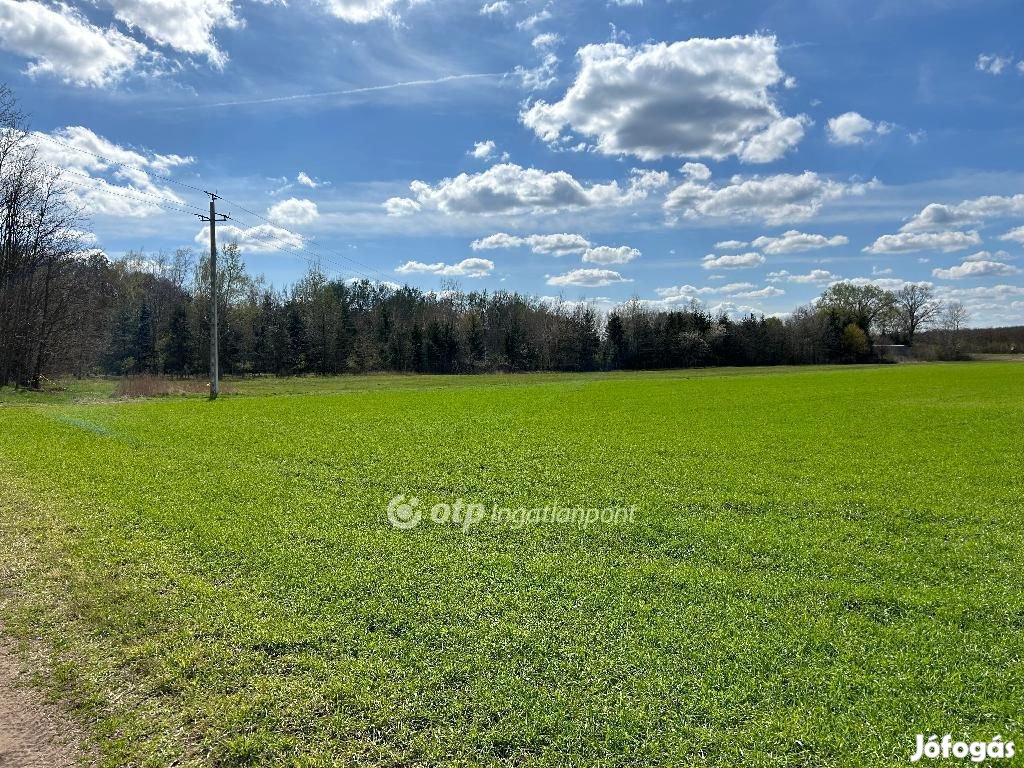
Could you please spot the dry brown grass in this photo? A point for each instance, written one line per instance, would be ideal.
(148, 385)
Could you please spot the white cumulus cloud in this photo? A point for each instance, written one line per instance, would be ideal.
(60, 42)
(775, 140)
(560, 244)
(184, 25)
(401, 206)
(588, 278)
(688, 292)
(293, 212)
(773, 199)
(767, 292)
(259, 239)
(980, 264)
(940, 216)
(853, 128)
(1016, 235)
(735, 261)
(793, 241)
(106, 178)
(605, 254)
(694, 98)
(908, 242)
(486, 150)
(696, 171)
(473, 267)
(510, 188)
(483, 149)
(814, 276)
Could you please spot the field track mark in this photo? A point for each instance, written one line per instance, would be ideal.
(33, 733)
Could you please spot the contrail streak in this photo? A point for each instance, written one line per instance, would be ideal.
(346, 92)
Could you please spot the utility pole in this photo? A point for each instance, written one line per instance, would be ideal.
(214, 326)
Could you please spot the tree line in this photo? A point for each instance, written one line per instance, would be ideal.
(150, 314)
(67, 308)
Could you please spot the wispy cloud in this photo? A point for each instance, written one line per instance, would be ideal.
(344, 92)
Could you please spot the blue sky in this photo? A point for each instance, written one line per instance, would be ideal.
(744, 154)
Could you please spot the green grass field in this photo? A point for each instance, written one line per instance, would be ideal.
(823, 563)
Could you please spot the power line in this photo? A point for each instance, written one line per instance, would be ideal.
(382, 276)
(312, 251)
(339, 255)
(312, 259)
(251, 230)
(277, 244)
(108, 189)
(331, 269)
(111, 161)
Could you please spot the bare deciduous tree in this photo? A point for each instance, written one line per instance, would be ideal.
(954, 315)
(917, 308)
(40, 238)
(952, 318)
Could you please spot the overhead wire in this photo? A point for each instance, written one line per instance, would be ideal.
(269, 238)
(381, 275)
(120, 163)
(274, 241)
(264, 219)
(127, 193)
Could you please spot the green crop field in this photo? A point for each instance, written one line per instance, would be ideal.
(822, 563)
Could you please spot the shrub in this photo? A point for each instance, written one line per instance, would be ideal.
(148, 385)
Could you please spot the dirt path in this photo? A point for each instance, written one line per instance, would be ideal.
(33, 733)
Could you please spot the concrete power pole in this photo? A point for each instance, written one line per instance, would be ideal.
(214, 325)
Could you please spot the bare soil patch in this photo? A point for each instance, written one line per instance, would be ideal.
(33, 732)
